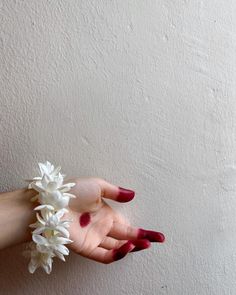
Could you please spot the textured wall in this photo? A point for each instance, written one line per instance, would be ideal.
(141, 93)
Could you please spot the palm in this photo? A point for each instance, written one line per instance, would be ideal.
(97, 231)
(90, 236)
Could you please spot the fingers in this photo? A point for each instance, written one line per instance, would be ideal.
(107, 256)
(111, 243)
(123, 232)
(151, 235)
(114, 192)
(141, 244)
(126, 232)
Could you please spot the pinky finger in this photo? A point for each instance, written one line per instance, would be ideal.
(105, 256)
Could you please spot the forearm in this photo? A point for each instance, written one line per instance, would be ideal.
(16, 213)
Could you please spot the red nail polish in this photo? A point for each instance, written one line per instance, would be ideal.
(125, 195)
(84, 219)
(152, 236)
(141, 244)
(122, 251)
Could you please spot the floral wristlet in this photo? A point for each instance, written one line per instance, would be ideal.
(50, 234)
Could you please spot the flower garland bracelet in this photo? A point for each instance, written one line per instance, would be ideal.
(50, 234)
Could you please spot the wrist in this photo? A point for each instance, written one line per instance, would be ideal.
(18, 212)
(25, 195)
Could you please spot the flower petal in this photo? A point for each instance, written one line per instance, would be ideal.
(61, 212)
(33, 199)
(49, 166)
(62, 240)
(39, 239)
(37, 178)
(59, 179)
(69, 195)
(52, 186)
(45, 168)
(40, 207)
(66, 223)
(38, 187)
(60, 255)
(34, 179)
(34, 225)
(45, 181)
(46, 213)
(63, 231)
(62, 249)
(44, 249)
(47, 263)
(56, 170)
(38, 230)
(41, 168)
(67, 186)
(40, 219)
(61, 203)
(32, 267)
(47, 268)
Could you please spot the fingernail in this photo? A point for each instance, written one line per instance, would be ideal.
(125, 195)
(141, 244)
(123, 250)
(152, 236)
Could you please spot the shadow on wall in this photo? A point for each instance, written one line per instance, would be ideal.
(15, 278)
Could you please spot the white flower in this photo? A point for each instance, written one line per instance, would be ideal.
(56, 200)
(50, 232)
(50, 186)
(50, 221)
(48, 168)
(39, 259)
(45, 168)
(51, 183)
(53, 244)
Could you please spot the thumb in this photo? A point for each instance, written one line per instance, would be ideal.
(115, 193)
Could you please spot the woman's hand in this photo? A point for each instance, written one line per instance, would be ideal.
(97, 231)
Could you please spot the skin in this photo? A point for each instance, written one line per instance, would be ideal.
(97, 231)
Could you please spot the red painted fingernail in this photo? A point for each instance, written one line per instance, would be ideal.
(123, 250)
(152, 236)
(125, 195)
(84, 219)
(141, 244)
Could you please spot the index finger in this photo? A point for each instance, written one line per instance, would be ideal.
(115, 193)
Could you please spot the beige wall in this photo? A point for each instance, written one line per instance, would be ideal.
(141, 93)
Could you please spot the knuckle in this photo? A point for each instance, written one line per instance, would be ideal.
(89, 255)
(119, 244)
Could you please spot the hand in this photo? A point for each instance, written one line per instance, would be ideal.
(97, 231)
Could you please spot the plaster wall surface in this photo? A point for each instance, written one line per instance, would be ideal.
(141, 93)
